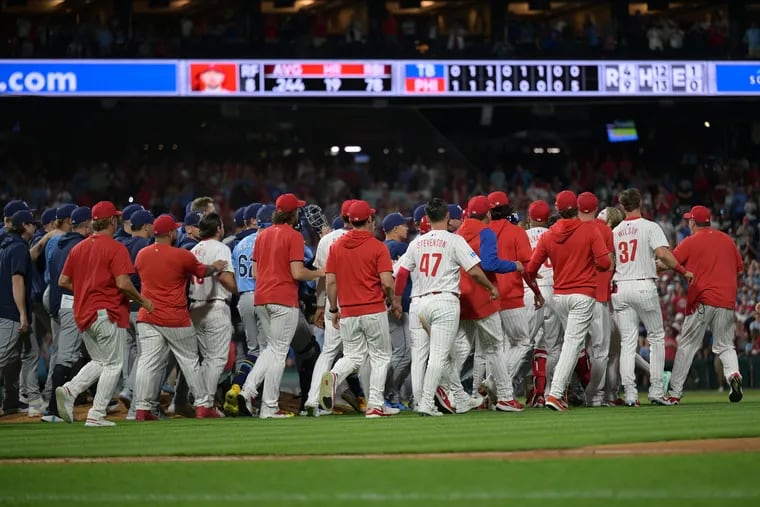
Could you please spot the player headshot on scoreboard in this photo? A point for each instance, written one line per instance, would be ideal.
(213, 78)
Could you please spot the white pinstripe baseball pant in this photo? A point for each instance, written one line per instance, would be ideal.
(516, 325)
(545, 329)
(575, 312)
(104, 341)
(332, 346)
(278, 323)
(598, 350)
(489, 344)
(440, 314)
(420, 349)
(638, 300)
(612, 382)
(366, 336)
(213, 326)
(722, 323)
(154, 343)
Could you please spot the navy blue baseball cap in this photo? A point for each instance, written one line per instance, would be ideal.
(455, 212)
(64, 211)
(337, 223)
(22, 217)
(193, 218)
(394, 220)
(419, 212)
(142, 217)
(240, 216)
(264, 216)
(81, 215)
(48, 216)
(251, 211)
(12, 207)
(128, 211)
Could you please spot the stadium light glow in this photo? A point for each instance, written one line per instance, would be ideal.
(707, 124)
(352, 149)
(538, 151)
(553, 150)
(334, 150)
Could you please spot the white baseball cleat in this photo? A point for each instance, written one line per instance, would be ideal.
(428, 411)
(735, 384)
(376, 412)
(99, 423)
(65, 403)
(443, 398)
(51, 419)
(327, 390)
(467, 403)
(36, 409)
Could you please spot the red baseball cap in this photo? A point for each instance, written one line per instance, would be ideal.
(424, 226)
(478, 206)
(360, 211)
(164, 225)
(344, 207)
(538, 211)
(104, 209)
(498, 198)
(566, 200)
(587, 202)
(698, 214)
(288, 202)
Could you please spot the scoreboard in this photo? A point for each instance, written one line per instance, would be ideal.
(379, 78)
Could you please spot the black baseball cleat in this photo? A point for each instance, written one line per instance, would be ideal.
(735, 383)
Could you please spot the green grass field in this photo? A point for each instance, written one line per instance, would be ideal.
(701, 479)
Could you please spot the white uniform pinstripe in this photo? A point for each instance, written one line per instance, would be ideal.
(490, 348)
(438, 257)
(278, 323)
(104, 341)
(545, 328)
(155, 341)
(211, 318)
(598, 350)
(575, 312)
(722, 323)
(420, 347)
(516, 325)
(636, 299)
(254, 338)
(363, 336)
(332, 345)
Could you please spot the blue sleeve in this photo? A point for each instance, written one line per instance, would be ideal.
(489, 257)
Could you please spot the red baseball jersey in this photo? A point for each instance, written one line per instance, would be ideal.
(275, 248)
(512, 243)
(475, 300)
(604, 278)
(164, 271)
(716, 263)
(93, 266)
(576, 249)
(356, 260)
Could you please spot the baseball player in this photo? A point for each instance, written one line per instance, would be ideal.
(455, 217)
(638, 242)
(438, 258)
(210, 312)
(241, 263)
(97, 272)
(125, 231)
(278, 266)
(141, 235)
(716, 263)
(598, 348)
(239, 221)
(545, 327)
(359, 273)
(68, 340)
(480, 320)
(42, 324)
(513, 243)
(15, 300)
(332, 344)
(164, 271)
(192, 232)
(576, 250)
(396, 231)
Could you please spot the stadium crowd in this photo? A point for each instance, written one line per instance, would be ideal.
(305, 34)
(728, 187)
